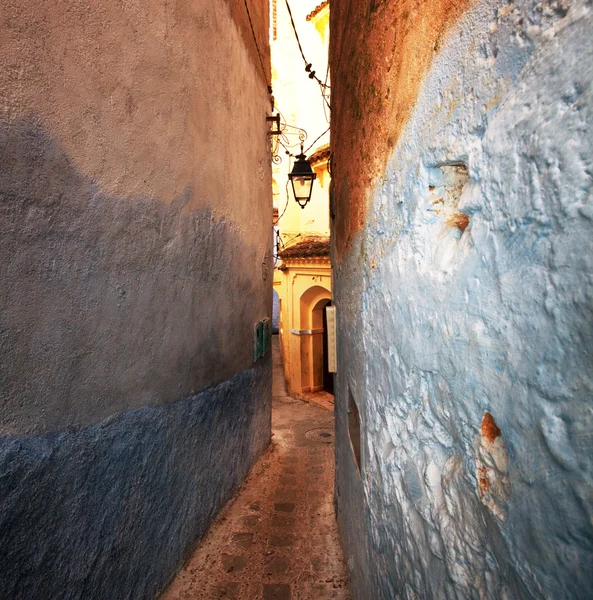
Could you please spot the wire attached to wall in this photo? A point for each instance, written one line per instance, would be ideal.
(324, 92)
(261, 60)
(287, 198)
(316, 140)
(308, 68)
(281, 140)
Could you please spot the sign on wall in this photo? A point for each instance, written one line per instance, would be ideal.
(262, 338)
(332, 360)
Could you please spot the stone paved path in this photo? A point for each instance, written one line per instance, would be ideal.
(277, 539)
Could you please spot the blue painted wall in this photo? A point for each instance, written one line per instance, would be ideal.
(112, 510)
(465, 313)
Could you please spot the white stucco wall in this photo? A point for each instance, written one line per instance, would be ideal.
(496, 319)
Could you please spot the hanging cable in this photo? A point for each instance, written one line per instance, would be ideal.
(294, 237)
(261, 60)
(308, 65)
(287, 195)
(316, 140)
(324, 90)
(285, 207)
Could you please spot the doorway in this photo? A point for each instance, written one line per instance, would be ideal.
(322, 378)
(328, 378)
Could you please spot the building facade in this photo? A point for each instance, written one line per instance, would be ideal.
(302, 277)
(303, 283)
(136, 258)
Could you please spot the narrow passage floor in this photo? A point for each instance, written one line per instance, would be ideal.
(277, 539)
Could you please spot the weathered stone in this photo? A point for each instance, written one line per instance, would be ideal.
(242, 540)
(288, 480)
(283, 522)
(226, 590)
(277, 565)
(232, 563)
(281, 541)
(250, 520)
(286, 495)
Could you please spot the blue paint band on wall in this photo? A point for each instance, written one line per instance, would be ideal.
(110, 511)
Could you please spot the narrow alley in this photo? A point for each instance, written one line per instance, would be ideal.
(277, 539)
(394, 196)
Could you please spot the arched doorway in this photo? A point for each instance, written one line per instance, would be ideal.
(322, 378)
(314, 374)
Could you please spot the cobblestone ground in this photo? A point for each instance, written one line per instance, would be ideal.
(277, 539)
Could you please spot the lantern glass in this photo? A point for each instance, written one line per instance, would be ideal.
(302, 187)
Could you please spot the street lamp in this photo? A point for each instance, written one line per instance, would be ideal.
(302, 177)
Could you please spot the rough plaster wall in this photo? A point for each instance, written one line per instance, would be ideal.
(473, 370)
(135, 205)
(379, 51)
(110, 302)
(135, 246)
(114, 508)
(142, 95)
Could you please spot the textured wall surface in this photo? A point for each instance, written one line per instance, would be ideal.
(465, 307)
(109, 302)
(135, 205)
(114, 505)
(389, 45)
(135, 245)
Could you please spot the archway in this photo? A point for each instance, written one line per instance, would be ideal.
(313, 344)
(322, 378)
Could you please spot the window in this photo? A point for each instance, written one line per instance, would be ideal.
(354, 428)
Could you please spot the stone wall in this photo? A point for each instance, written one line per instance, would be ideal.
(463, 266)
(135, 240)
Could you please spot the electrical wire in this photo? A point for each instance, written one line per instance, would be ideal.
(316, 140)
(281, 245)
(296, 35)
(285, 206)
(287, 197)
(308, 65)
(325, 88)
(294, 237)
(261, 60)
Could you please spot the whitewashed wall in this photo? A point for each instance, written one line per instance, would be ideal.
(494, 319)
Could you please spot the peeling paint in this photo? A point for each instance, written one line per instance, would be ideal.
(493, 468)
(490, 429)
